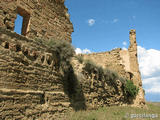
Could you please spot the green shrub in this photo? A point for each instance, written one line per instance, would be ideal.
(90, 66)
(130, 89)
(110, 75)
(39, 40)
(80, 58)
(123, 80)
(106, 74)
(100, 72)
(62, 47)
(62, 50)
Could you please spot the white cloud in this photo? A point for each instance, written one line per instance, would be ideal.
(124, 43)
(155, 89)
(91, 22)
(115, 20)
(124, 48)
(80, 51)
(149, 63)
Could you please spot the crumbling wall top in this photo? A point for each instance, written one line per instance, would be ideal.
(132, 31)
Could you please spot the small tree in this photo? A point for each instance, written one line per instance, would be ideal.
(130, 89)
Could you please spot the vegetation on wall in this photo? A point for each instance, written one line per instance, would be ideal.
(108, 75)
(130, 89)
(63, 52)
(63, 49)
(60, 49)
(80, 58)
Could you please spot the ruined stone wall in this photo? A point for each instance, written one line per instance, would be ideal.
(97, 91)
(112, 60)
(41, 18)
(134, 68)
(124, 62)
(30, 86)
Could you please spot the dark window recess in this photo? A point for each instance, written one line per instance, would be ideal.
(6, 45)
(18, 48)
(42, 59)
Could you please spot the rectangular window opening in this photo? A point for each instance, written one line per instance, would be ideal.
(22, 21)
(18, 24)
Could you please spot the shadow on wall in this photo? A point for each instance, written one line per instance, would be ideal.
(63, 52)
(73, 89)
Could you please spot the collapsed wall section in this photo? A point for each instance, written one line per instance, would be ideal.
(41, 18)
(112, 60)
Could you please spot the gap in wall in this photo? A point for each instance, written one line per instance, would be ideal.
(18, 24)
(22, 21)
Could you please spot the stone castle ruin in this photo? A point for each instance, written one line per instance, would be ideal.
(30, 86)
(124, 62)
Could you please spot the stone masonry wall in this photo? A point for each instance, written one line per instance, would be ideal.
(97, 91)
(124, 62)
(134, 68)
(30, 86)
(41, 18)
(112, 60)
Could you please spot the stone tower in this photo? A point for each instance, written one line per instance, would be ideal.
(133, 52)
(134, 68)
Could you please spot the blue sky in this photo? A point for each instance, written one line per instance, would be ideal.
(101, 25)
(113, 20)
(18, 24)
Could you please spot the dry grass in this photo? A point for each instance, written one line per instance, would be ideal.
(116, 113)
